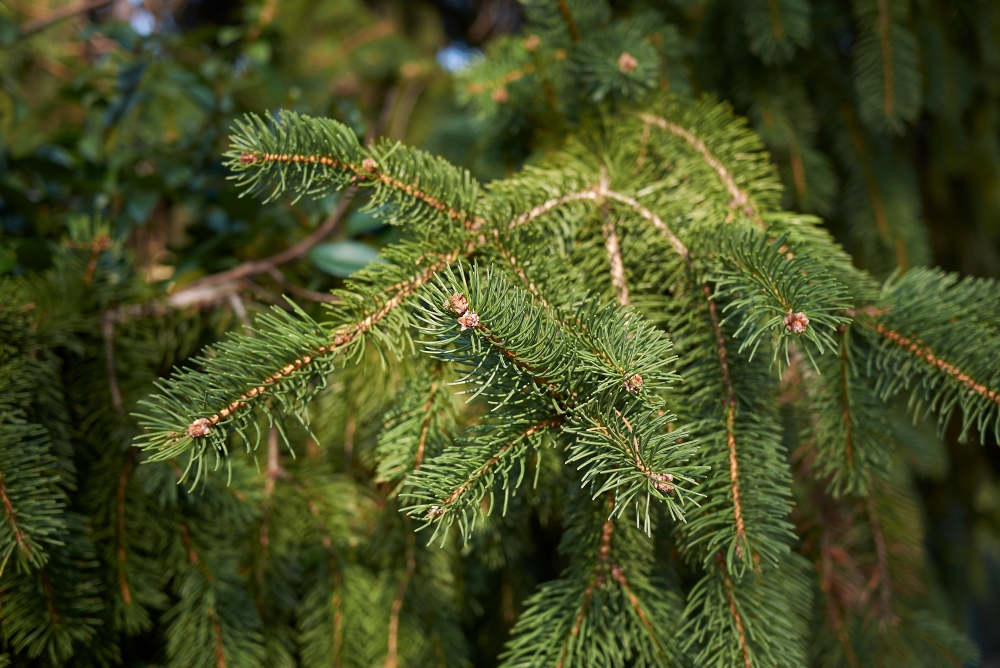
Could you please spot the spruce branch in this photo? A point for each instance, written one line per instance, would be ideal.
(32, 503)
(311, 156)
(782, 292)
(948, 367)
(741, 200)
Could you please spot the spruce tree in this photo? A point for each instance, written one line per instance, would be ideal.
(628, 342)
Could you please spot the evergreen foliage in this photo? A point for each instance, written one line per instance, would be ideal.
(627, 338)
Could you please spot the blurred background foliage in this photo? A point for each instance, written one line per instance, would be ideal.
(122, 108)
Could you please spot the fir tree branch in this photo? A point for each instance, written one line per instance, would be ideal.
(218, 646)
(882, 561)
(740, 198)
(604, 553)
(729, 406)
(120, 526)
(392, 657)
(926, 355)
(734, 610)
(574, 32)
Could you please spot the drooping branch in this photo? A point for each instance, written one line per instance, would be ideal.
(368, 171)
(456, 494)
(734, 611)
(574, 32)
(729, 405)
(392, 654)
(344, 336)
(740, 198)
(923, 352)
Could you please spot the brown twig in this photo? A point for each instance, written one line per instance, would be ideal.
(740, 198)
(392, 657)
(64, 12)
(614, 258)
(299, 291)
(254, 267)
(574, 32)
(108, 332)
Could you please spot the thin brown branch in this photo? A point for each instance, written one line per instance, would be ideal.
(885, 38)
(845, 397)
(20, 537)
(368, 170)
(550, 423)
(299, 291)
(597, 580)
(918, 349)
(392, 657)
(254, 267)
(729, 402)
(615, 258)
(882, 559)
(425, 427)
(120, 526)
(734, 611)
(220, 653)
(342, 338)
(574, 32)
(61, 14)
(596, 194)
(740, 198)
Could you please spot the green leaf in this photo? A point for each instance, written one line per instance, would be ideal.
(342, 258)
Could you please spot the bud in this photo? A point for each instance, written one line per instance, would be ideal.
(796, 322)
(435, 512)
(469, 320)
(634, 384)
(532, 42)
(247, 158)
(457, 304)
(499, 95)
(199, 428)
(369, 165)
(627, 62)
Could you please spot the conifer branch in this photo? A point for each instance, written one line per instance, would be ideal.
(392, 657)
(922, 352)
(734, 611)
(120, 527)
(574, 32)
(740, 198)
(882, 560)
(597, 580)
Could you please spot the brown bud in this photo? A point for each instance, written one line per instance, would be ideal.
(369, 165)
(468, 320)
(559, 54)
(434, 512)
(796, 322)
(532, 42)
(247, 158)
(627, 62)
(634, 384)
(199, 428)
(457, 304)
(499, 95)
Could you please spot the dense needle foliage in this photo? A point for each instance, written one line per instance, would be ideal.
(622, 342)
